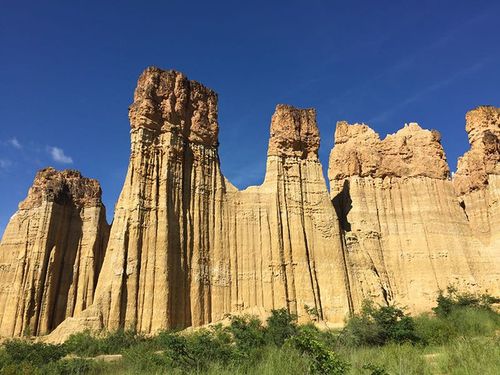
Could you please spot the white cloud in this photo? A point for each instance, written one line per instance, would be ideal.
(59, 156)
(15, 143)
(4, 163)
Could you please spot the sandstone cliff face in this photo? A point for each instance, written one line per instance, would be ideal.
(186, 247)
(477, 182)
(164, 236)
(405, 234)
(51, 253)
(285, 237)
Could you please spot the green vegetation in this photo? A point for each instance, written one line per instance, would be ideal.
(460, 337)
(379, 326)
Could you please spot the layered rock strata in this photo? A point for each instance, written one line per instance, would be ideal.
(167, 227)
(186, 247)
(285, 241)
(405, 234)
(51, 253)
(477, 182)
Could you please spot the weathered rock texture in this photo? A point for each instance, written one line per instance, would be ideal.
(51, 253)
(187, 248)
(477, 182)
(405, 234)
(284, 237)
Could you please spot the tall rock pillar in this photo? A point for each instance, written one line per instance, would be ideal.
(166, 231)
(477, 183)
(51, 253)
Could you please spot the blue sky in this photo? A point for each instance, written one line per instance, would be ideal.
(68, 70)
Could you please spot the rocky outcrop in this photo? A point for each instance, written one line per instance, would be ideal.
(186, 247)
(156, 273)
(477, 182)
(405, 234)
(284, 234)
(51, 253)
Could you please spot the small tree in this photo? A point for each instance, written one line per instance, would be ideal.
(281, 325)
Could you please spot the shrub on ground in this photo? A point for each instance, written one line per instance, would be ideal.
(452, 300)
(281, 325)
(322, 360)
(248, 336)
(85, 344)
(36, 354)
(378, 326)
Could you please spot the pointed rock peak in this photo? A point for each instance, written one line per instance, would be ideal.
(345, 132)
(167, 101)
(294, 132)
(413, 130)
(483, 158)
(62, 187)
(410, 152)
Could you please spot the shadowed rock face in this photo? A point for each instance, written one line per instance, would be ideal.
(51, 253)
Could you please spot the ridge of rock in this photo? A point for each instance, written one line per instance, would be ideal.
(410, 152)
(405, 235)
(186, 248)
(477, 182)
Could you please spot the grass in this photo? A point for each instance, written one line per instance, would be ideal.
(461, 338)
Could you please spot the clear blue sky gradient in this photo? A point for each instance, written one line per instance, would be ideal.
(68, 70)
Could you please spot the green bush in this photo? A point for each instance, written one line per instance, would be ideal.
(213, 345)
(36, 354)
(378, 326)
(175, 349)
(322, 360)
(281, 325)
(248, 335)
(453, 300)
(434, 330)
(459, 322)
(85, 344)
(197, 350)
